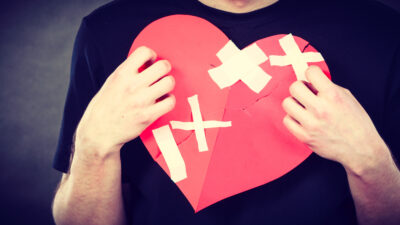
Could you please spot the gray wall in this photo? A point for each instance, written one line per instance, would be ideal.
(35, 45)
(35, 52)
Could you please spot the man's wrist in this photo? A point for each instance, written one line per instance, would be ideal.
(379, 159)
(90, 150)
(95, 146)
(93, 158)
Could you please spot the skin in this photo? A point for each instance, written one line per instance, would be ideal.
(238, 6)
(91, 193)
(330, 120)
(321, 114)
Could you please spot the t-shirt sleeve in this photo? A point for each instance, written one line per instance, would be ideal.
(392, 108)
(85, 70)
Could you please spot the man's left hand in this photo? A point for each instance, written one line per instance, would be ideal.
(330, 120)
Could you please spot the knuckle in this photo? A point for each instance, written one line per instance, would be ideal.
(306, 138)
(145, 50)
(321, 113)
(144, 118)
(294, 86)
(310, 71)
(136, 86)
(313, 127)
(170, 82)
(138, 103)
(313, 107)
(171, 102)
(141, 116)
(142, 48)
(164, 66)
(334, 94)
(286, 119)
(132, 88)
(313, 69)
(286, 102)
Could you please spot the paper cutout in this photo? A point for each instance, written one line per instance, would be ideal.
(171, 153)
(240, 65)
(257, 149)
(198, 125)
(294, 57)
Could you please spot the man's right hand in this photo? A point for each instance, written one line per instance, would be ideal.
(126, 104)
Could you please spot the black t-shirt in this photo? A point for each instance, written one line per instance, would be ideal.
(360, 43)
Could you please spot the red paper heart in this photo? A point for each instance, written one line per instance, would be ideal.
(257, 148)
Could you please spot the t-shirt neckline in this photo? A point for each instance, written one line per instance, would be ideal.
(231, 17)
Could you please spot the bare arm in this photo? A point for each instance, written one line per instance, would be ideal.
(376, 191)
(330, 120)
(91, 193)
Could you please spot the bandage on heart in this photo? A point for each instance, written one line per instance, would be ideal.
(294, 57)
(207, 159)
(240, 65)
(198, 125)
(168, 146)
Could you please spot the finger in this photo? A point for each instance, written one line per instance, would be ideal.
(295, 128)
(303, 94)
(155, 72)
(161, 87)
(318, 79)
(138, 58)
(297, 112)
(162, 107)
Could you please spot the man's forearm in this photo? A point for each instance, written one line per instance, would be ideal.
(126, 104)
(330, 120)
(376, 191)
(91, 193)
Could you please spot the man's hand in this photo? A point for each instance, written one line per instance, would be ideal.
(332, 122)
(127, 103)
(334, 125)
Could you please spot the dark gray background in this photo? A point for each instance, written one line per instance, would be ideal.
(35, 44)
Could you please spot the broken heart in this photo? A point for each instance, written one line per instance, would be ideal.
(225, 135)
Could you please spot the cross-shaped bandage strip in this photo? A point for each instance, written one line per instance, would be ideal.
(294, 57)
(240, 65)
(168, 147)
(198, 125)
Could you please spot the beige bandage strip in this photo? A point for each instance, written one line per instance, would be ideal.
(198, 125)
(169, 149)
(294, 57)
(240, 65)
